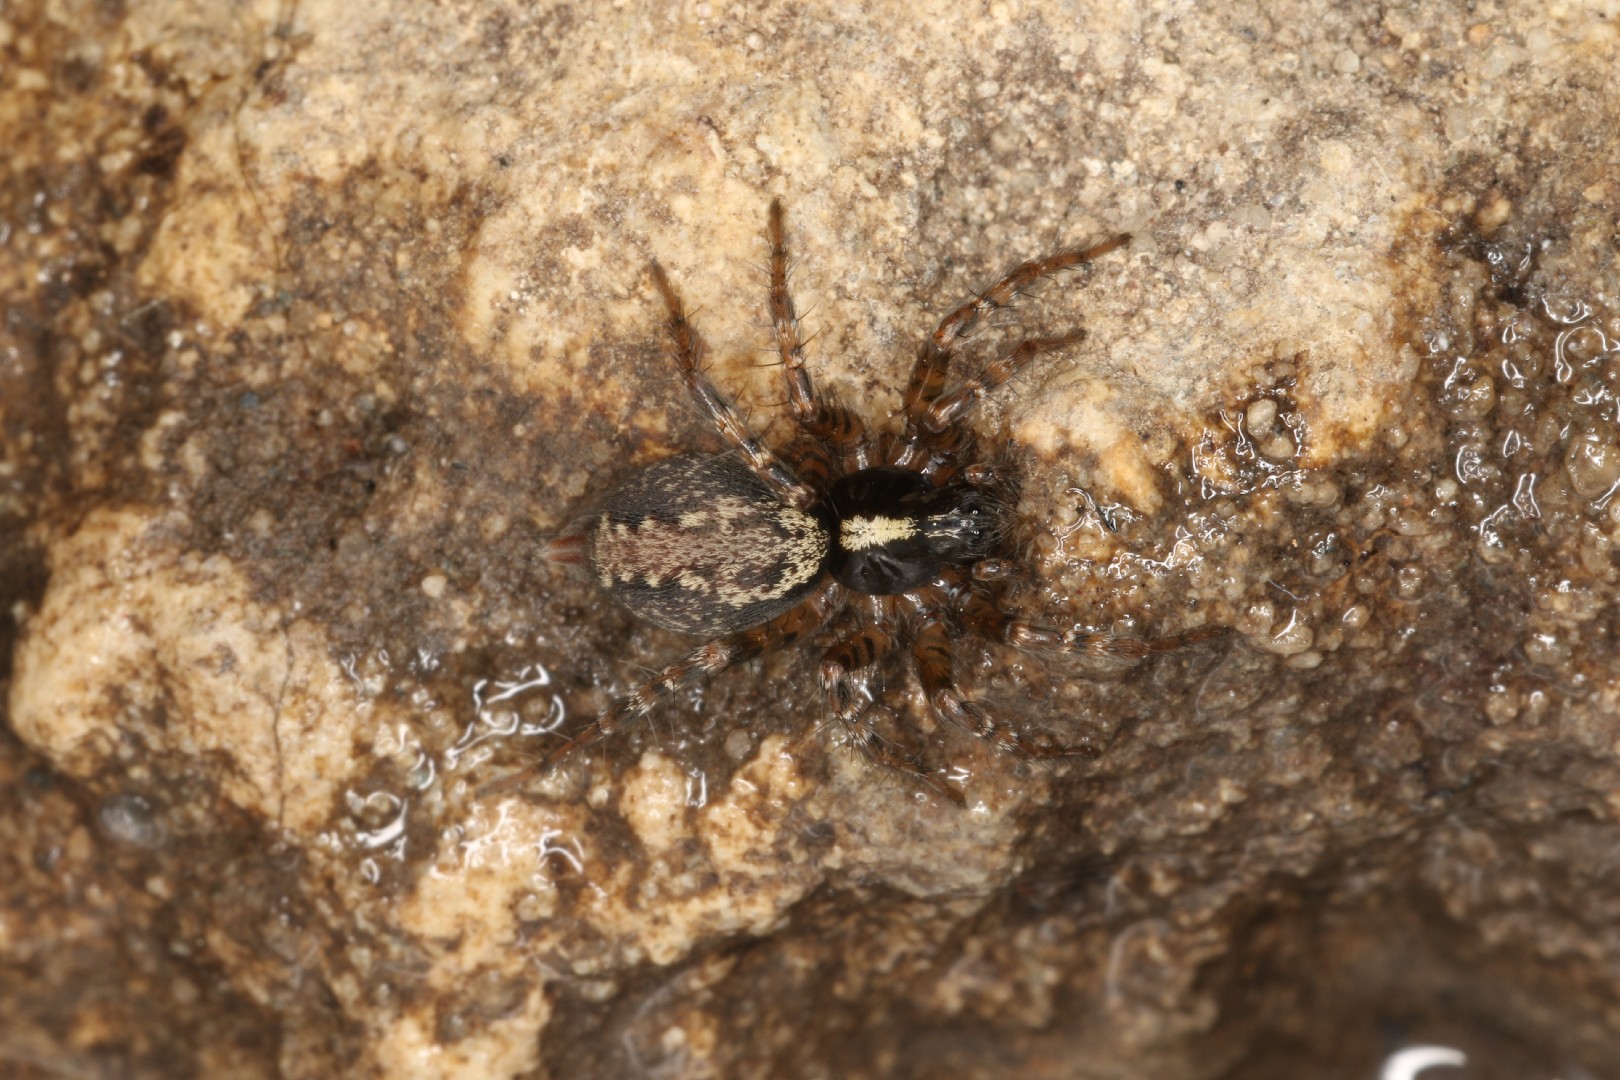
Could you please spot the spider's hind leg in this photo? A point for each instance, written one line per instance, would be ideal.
(822, 419)
(688, 348)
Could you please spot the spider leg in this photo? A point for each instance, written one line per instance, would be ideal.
(812, 459)
(857, 652)
(940, 440)
(955, 325)
(927, 382)
(947, 410)
(827, 421)
(857, 714)
(987, 620)
(688, 348)
(704, 662)
(931, 653)
(831, 438)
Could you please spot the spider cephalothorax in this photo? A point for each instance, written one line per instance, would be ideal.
(892, 539)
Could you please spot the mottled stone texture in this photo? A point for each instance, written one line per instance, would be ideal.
(318, 317)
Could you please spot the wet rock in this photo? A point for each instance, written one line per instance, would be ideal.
(318, 320)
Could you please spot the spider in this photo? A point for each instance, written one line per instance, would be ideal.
(904, 534)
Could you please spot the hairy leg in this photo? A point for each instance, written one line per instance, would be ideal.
(928, 374)
(855, 653)
(688, 349)
(987, 620)
(949, 409)
(931, 653)
(825, 420)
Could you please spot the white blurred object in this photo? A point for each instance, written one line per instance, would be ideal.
(1406, 1064)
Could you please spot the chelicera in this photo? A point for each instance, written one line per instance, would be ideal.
(885, 540)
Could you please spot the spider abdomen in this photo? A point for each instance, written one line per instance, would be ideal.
(701, 545)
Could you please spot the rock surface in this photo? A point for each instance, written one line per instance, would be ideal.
(319, 317)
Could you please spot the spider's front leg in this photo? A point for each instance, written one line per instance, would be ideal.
(987, 620)
(704, 662)
(949, 409)
(928, 424)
